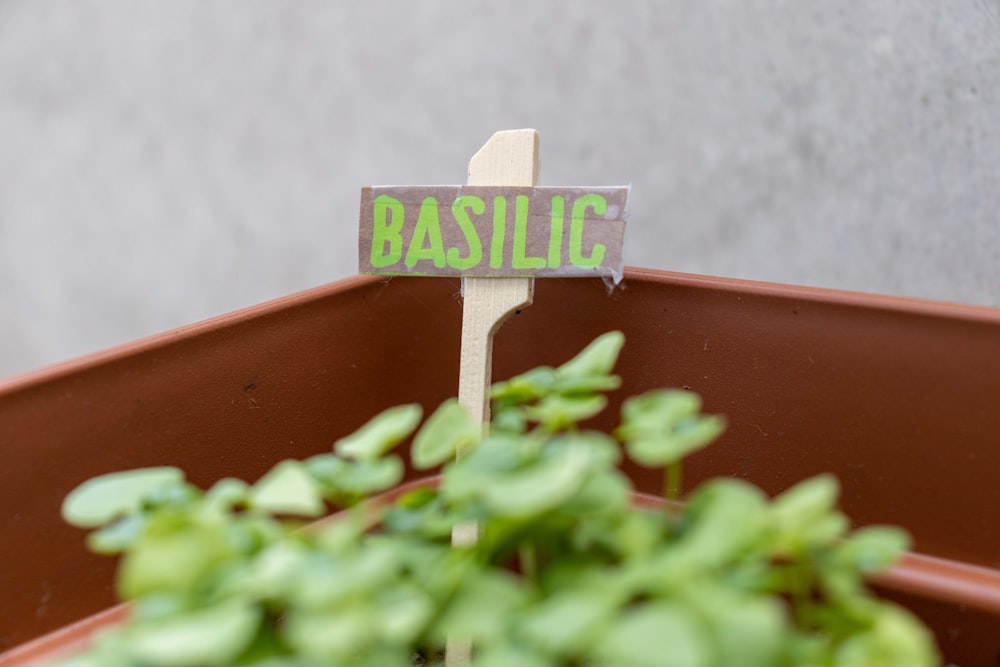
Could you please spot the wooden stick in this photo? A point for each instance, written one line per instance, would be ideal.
(508, 158)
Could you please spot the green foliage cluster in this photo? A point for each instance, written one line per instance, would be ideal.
(566, 570)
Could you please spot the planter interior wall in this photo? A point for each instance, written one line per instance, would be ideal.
(896, 397)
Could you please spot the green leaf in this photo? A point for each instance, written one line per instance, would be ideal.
(658, 634)
(429, 517)
(336, 537)
(380, 434)
(329, 583)
(557, 413)
(505, 655)
(873, 548)
(482, 609)
(101, 499)
(417, 498)
(516, 475)
(567, 623)
(806, 500)
(597, 359)
(118, 536)
(583, 386)
(173, 555)
(109, 650)
(539, 487)
(379, 655)
(339, 477)
(403, 613)
(658, 410)
(276, 661)
(603, 492)
(251, 533)
(805, 515)
(369, 477)
(327, 470)
(895, 639)
(749, 632)
(604, 450)
(655, 452)
(91, 659)
(331, 635)
(228, 493)
(447, 432)
(203, 638)
(273, 574)
(524, 388)
(159, 605)
(493, 457)
(661, 427)
(721, 520)
(508, 419)
(288, 488)
(633, 535)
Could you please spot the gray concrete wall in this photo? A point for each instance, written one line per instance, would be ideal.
(162, 162)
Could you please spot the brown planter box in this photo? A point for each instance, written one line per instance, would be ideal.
(897, 397)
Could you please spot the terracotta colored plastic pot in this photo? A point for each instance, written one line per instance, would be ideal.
(896, 397)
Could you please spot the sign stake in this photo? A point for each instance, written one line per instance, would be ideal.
(509, 157)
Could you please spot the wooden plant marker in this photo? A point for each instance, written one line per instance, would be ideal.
(452, 230)
(498, 233)
(509, 158)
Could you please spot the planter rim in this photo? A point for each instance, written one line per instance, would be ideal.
(864, 300)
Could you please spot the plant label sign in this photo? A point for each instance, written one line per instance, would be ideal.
(492, 231)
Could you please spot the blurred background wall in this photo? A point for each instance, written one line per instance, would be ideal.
(163, 162)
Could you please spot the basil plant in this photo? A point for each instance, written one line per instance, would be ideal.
(529, 549)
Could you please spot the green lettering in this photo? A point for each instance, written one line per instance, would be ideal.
(499, 228)
(458, 209)
(386, 232)
(520, 261)
(428, 228)
(600, 206)
(556, 234)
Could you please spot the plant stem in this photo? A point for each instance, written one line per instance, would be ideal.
(800, 583)
(672, 481)
(529, 561)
